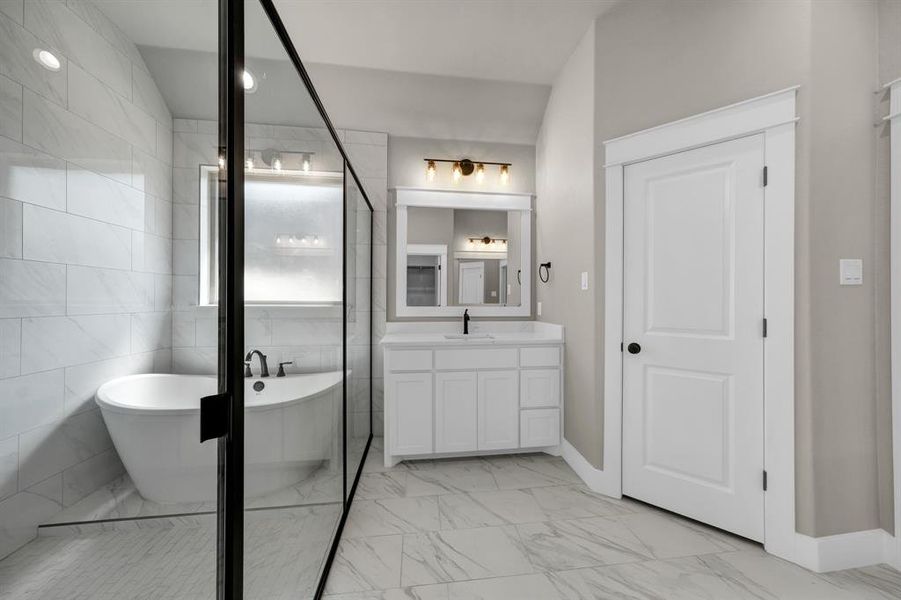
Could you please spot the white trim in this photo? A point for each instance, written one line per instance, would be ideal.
(406, 197)
(602, 482)
(895, 262)
(774, 116)
(845, 551)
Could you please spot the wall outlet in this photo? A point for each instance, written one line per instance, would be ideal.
(584, 280)
(850, 271)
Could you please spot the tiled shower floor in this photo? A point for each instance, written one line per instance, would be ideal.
(505, 528)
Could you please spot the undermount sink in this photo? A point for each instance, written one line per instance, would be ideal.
(468, 336)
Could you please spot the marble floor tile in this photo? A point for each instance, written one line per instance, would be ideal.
(669, 537)
(869, 583)
(374, 486)
(450, 478)
(463, 554)
(519, 587)
(519, 474)
(491, 508)
(436, 591)
(389, 516)
(578, 502)
(560, 545)
(366, 564)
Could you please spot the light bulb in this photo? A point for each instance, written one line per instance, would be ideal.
(249, 164)
(305, 165)
(458, 172)
(249, 81)
(505, 174)
(480, 173)
(221, 162)
(278, 239)
(431, 170)
(316, 240)
(46, 59)
(277, 164)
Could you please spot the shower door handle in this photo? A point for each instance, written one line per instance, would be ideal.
(213, 417)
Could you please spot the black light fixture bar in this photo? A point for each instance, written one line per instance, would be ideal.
(459, 160)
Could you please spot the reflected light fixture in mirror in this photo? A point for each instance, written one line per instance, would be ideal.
(46, 59)
(431, 170)
(458, 172)
(505, 174)
(480, 173)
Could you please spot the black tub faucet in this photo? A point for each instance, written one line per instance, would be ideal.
(466, 322)
(264, 368)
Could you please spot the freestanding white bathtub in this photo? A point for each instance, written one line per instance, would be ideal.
(154, 421)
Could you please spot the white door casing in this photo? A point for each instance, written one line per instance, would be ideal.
(774, 115)
(693, 301)
(471, 282)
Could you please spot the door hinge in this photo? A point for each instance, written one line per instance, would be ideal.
(213, 416)
(765, 176)
(764, 327)
(764, 481)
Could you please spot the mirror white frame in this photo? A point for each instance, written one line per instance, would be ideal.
(406, 197)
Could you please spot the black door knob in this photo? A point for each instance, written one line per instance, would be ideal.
(633, 348)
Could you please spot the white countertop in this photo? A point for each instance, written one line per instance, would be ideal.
(503, 333)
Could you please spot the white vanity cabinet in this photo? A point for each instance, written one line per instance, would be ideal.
(451, 397)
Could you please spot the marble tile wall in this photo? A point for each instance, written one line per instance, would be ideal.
(311, 337)
(85, 250)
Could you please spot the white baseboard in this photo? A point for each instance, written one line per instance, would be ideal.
(846, 550)
(596, 479)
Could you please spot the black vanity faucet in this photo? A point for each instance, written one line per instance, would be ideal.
(466, 322)
(264, 368)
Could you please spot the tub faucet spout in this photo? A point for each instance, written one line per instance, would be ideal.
(264, 368)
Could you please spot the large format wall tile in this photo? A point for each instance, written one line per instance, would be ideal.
(100, 291)
(10, 347)
(151, 253)
(10, 108)
(30, 401)
(53, 236)
(91, 14)
(10, 228)
(29, 288)
(14, 9)
(151, 331)
(17, 62)
(82, 381)
(148, 97)
(61, 28)
(89, 475)
(54, 448)
(9, 466)
(152, 175)
(20, 515)
(56, 131)
(104, 199)
(51, 342)
(31, 176)
(99, 104)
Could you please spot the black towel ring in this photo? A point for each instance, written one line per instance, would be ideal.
(519, 276)
(547, 272)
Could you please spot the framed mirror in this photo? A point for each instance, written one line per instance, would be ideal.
(463, 250)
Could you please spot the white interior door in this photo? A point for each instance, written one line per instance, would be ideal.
(472, 282)
(693, 334)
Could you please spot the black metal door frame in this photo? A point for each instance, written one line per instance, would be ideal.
(230, 494)
(228, 425)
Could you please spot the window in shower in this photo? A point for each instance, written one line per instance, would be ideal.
(293, 235)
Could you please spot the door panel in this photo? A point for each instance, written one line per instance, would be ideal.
(498, 410)
(693, 301)
(456, 412)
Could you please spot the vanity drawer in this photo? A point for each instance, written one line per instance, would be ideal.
(539, 357)
(539, 427)
(475, 358)
(539, 388)
(409, 360)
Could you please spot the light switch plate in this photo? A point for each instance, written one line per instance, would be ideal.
(584, 280)
(539, 309)
(850, 271)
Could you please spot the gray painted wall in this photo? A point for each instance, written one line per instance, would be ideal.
(841, 483)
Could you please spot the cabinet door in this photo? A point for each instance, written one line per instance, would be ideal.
(498, 410)
(540, 427)
(455, 412)
(409, 397)
(539, 387)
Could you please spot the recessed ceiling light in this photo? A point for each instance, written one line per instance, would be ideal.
(46, 59)
(250, 82)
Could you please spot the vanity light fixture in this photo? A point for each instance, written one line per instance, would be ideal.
(464, 167)
(490, 242)
(46, 59)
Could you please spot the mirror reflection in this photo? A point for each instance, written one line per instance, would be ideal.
(463, 257)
